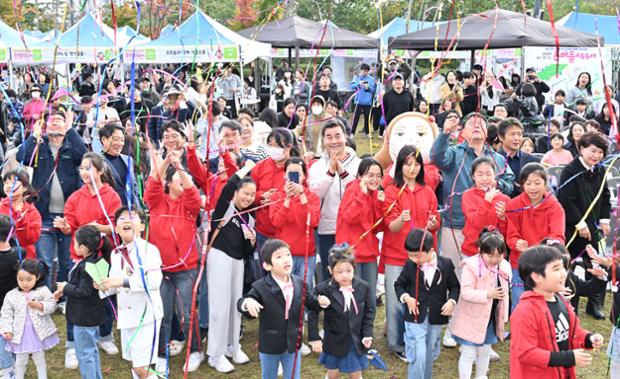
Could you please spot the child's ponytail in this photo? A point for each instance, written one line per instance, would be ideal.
(490, 241)
(95, 242)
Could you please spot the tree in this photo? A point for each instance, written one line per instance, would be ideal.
(125, 15)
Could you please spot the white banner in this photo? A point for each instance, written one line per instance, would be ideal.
(178, 54)
(50, 55)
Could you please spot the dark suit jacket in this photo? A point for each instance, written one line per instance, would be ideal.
(275, 334)
(84, 306)
(524, 158)
(445, 286)
(343, 327)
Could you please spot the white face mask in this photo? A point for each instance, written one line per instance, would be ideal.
(275, 153)
(317, 110)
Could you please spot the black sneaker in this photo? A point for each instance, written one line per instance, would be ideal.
(401, 355)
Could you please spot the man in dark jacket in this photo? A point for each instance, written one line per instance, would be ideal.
(397, 100)
(168, 109)
(541, 87)
(510, 132)
(55, 178)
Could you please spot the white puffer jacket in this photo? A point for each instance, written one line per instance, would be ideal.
(15, 306)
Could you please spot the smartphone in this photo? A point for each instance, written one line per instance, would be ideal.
(293, 176)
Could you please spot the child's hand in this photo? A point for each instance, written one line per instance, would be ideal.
(447, 308)
(521, 245)
(582, 358)
(406, 215)
(431, 224)
(367, 342)
(600, 260)
(60, 286)
(253, 307)
(495, 293)
(8, 336)
(36, 305)
(324, 301)
(597, 341)
(500, 210)
(567, 293)
(490, 195)
(598, 272)
(412, 304)
(108, 283)
(57, 295)
(317, 346)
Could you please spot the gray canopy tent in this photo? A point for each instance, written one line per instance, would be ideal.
(299, 33)
(511, 30)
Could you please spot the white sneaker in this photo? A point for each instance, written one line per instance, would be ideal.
(448, 341)
(239, 357)
(280, 370)
(305, 350)
(161, 366)
(494, 357)
(176, 348)
(71, 361)
(7, 373)
(109, 347)
(195, 359)
(221, 364)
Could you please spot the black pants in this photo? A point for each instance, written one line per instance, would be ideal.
(233, 107)
(376, 120)
(360, 109)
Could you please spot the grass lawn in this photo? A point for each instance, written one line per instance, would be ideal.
(445, 368)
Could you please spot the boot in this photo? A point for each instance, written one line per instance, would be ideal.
(595, 306)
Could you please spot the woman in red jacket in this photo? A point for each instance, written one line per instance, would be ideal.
(483, 205)
(361, 207)
(294, 211)
(24, 215)
(94, 204)
(409, 203)
(532, 216)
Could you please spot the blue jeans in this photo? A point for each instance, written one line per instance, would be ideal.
(325, 242)
(203, 301)
(105, 329)
(368, 272)
(183, 283)
(422, 348)
(298, 269)
(269, 365)
(53, 249)
(394, 311)
(517, 288)
(7, 359)
(86, 338)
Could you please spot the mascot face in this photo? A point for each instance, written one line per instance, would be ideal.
(411, 128)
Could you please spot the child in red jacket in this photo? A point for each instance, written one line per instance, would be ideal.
(293, 211)
(483, 205)
(547, 340)
(414, 206)
(533, 215)
(24, 214)
(360, 209)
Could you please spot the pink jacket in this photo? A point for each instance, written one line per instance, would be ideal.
(473, 310)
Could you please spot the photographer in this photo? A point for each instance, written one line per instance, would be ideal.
(364, 87)
(541, 87)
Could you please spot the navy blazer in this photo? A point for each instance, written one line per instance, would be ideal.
(120, 184)
(277, 335)
(524, 158)
(69, 159)
(445, 285)
(84, 306)
(343, 327)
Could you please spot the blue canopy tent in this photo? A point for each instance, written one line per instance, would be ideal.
(398, 27)
(11, 38)
(199, 39)
(84, 42)
(608, 27)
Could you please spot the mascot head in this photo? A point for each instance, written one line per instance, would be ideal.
(411, 128)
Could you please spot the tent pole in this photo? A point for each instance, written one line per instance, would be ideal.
(242, 96)
(523, 62)
(297, 56)
(290, 56)
(11, 74)
(472, 60)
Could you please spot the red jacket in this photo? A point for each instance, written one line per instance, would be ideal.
(533, 339)
(172, 225)
(209, 183)
(479, 213)
(422, 203)
(357, 214)
(27, 225)
(82, 208)
(432, 176)
(266, 175)
(291, 223)
(533, 224)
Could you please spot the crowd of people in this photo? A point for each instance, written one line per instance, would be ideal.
(162, 207)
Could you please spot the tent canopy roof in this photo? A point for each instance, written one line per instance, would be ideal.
(86, 33)
(512, 30)
(10, 37)
(398, 27)
(297, 31)
(585, 22)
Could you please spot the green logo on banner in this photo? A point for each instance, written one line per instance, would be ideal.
(36, 55)
(108, 54)
(2, 54)
(230, 53)
(150, 54)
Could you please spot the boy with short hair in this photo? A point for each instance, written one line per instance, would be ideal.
(429, 289)
(276, 300)
(135, 277)
(547, 340)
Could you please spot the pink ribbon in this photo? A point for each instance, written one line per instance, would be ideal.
(347, 293)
